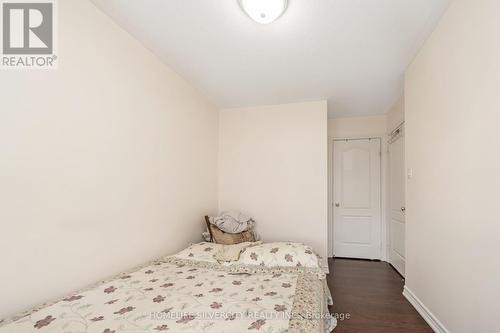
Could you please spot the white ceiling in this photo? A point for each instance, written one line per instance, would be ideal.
(351, 52)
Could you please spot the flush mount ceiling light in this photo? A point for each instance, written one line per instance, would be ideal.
(263, 11)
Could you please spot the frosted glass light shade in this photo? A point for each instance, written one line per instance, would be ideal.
(264, 11)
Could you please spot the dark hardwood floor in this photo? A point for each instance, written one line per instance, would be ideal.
(369, 296)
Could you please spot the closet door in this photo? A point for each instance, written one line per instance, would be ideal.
(397, 221)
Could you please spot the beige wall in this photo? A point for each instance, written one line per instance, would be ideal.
(396, 115)
(355, 128)
(272, 165)
(105, 163)
(452, 144)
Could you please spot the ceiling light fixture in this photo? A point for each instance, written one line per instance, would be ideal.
(264, 11)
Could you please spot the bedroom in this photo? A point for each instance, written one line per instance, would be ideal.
(125, 122)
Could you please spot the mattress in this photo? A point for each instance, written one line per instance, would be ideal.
(190, 293)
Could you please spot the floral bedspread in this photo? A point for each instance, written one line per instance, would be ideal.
(184, 295)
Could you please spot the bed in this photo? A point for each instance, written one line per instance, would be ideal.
(272, 288)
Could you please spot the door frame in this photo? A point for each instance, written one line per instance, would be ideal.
(383, 191)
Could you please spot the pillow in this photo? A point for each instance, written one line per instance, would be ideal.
(280, 254)
(201, 251)
(230, 253)
(221, 237)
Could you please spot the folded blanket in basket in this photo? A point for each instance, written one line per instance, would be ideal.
(233, 222)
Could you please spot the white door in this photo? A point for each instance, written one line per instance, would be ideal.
(397, 203)
(356, 198)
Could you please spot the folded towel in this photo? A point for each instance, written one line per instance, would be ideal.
(229, 253)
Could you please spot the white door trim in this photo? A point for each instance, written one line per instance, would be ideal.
(383, 190)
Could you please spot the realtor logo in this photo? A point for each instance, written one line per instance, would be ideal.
(28, 34)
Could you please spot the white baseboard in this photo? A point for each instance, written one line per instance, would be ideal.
(433, 322)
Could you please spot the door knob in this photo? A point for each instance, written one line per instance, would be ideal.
(403, 209)
(337, 204)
